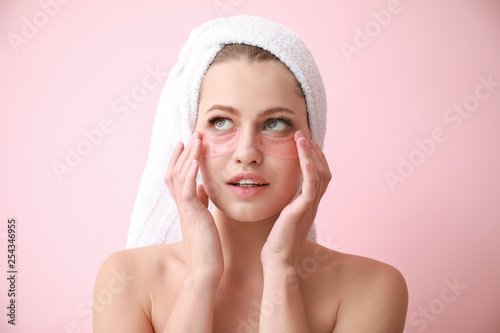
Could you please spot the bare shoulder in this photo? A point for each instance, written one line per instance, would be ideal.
(357, 272)
(144, 261)
(140, 264)
(350, 269)
(123, 288)
(370, 296)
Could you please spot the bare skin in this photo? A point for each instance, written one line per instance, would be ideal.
(345, 293)
(249, 267)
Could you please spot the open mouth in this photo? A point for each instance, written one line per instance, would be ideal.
(247, 188)
(247, 183)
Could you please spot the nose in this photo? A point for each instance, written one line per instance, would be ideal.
(247, 150)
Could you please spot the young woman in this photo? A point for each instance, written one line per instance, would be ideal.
(249, 266)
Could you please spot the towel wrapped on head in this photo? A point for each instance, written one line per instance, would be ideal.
(155, 219)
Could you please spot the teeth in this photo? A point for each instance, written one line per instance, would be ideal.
(247, 183)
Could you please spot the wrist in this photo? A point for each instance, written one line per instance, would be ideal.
(280, 279)
(202, 281)
(279, 269)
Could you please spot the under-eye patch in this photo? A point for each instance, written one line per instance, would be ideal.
(281, 147)
(216, 145)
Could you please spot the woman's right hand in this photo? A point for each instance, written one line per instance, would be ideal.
(202, 246)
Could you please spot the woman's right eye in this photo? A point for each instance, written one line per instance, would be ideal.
(222, 123)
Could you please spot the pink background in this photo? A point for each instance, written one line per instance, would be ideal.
(440, 224)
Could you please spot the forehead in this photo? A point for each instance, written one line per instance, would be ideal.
(251, 86)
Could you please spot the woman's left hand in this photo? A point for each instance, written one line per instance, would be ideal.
(289, 233)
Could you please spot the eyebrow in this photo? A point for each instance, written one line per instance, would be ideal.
(234, 111)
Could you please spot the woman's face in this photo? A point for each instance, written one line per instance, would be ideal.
(260, 100)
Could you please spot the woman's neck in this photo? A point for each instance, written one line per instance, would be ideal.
(242, 243)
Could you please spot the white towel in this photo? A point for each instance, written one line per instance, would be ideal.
(155, 219)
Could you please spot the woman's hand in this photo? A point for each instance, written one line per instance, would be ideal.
(202, 246)
(290, 230)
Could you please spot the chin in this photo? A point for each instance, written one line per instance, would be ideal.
(248, 212)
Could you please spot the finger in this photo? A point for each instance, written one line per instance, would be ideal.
(322, 169)
(318, 165)
(183, 164)
(173, 161)
(312, 181)
(193, 154)
(189, 189)
(309, 173)
(327, 175)
(183, 158)
(307, 153)
(322, 184)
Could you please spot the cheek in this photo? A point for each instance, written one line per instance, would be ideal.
(214, 146)
(213, 174)
(296, 176)
(290, 176)
(280, 147)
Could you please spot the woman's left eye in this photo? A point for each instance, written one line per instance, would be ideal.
(276, 124)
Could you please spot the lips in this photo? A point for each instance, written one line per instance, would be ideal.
(247, 179)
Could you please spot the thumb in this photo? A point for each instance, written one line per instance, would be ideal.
(202, 194)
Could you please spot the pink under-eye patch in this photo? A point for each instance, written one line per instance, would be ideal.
(281, 147)
(216, 145)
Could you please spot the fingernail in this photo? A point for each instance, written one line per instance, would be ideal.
(303, 142)
(314, 143)
(195, 135)
(193, 164)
